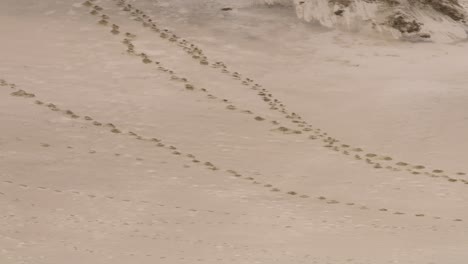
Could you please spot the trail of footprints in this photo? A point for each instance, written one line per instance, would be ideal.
(114, 198)
(187, 85)
(369, 157)
(130, 202)
(191, 157)
(374, 160)
(134, 226)
(159, 205)
(73, 218)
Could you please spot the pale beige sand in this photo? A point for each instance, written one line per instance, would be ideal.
(109, 156)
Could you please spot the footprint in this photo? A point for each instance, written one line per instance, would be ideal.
(87, 3)
(22, 93)
(103, 22)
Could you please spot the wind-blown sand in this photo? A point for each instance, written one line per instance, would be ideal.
(242, 136)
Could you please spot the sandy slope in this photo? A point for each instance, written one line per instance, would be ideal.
(182, 176)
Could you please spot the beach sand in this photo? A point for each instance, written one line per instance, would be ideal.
(174, 132)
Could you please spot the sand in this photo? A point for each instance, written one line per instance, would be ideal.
(175, 132)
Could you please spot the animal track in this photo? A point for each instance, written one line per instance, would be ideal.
(208, 165)
(21, 93)
(83, 222)
(329, 141)
(112, 197)
(276, 105)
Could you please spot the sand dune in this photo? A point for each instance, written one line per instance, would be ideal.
(175, 132)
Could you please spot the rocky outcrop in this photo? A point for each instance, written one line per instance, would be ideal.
(418, 20)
